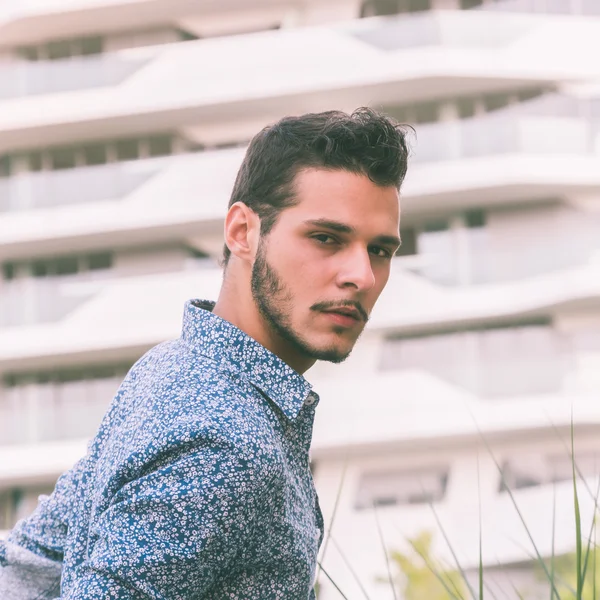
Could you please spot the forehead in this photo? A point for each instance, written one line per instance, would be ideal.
(345, 196)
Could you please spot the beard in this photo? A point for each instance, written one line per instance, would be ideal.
(275, 304)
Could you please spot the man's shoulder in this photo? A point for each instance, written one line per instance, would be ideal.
(173, 393)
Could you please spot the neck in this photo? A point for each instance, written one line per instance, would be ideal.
(236, 305)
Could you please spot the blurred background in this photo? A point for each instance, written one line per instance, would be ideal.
(122, 125)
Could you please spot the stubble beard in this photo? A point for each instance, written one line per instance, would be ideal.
(275, 304)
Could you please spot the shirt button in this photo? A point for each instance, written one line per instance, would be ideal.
(310, 400)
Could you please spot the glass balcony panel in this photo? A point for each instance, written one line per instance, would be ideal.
(31, 301)
(51, 77)
(491, 363)
(556, 7)
(74, 186)
(13, 418)
(506, 132)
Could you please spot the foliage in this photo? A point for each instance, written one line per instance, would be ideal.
(565, 572)
(421, 577)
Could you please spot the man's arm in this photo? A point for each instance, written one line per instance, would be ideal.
(31, 557)
(175, 531)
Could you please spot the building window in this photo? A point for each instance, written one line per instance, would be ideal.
(8, 271)
(128, 150)
(378, 8)
(66, 265)
(5, 170)
(91, 45)
(59, 50)
(409, 242)
(426, 112)
(402, 487)
(419, 5)
(61, 265)
(492, 362)
(466, 107)
(18, 503)
(534, 470)
(83, 373)
(94, 154)
(62, 49)
(475, 218)
(62, 158)
(467, 4)
(97, 262)
(160, 145)
(493, 102)
(91, 154)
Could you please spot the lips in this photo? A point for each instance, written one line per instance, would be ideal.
(346, 312)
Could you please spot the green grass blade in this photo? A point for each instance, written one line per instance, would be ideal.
(480, 533)
(333, 515)
(454, 557)
(595, 563)
(516, 591)
(385, 552)
(577, 469)
(589, 538)
(347, 563)
(516, 507)
(335, 585)
(432, 568)
(552, 582)
(577, 518)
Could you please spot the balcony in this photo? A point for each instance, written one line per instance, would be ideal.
(552, 7)
(494, 363)
(262, 76)
(500, 252)
(37, 301)
(39, 413)
(507, 133)
(37, 78)
(82, 185)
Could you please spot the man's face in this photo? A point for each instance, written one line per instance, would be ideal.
(320, 270)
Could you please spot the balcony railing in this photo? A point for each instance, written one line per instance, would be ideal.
(449, 29)
(50, 77)
(485, 255)
(506, 133)
(34, 301)
(55, 411)
(75, 186)
(492, 363)
(557, 7)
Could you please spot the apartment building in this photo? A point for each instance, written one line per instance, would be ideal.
(122, 125)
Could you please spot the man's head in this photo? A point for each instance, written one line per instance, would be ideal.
(312, 226)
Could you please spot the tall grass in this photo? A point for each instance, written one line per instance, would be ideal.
(568, 577)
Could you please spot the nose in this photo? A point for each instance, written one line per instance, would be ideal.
(357, 271)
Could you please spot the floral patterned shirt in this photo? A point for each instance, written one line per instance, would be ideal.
(196, 486)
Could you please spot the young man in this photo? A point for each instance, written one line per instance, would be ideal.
(198, 485)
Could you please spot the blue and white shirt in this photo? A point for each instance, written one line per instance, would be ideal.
(196, 486)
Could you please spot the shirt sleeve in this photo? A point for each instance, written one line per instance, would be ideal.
(31, 557)
(174, 532)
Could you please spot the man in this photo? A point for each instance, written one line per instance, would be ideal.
(198, 483)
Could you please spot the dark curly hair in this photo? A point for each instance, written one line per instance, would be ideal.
(364, 142)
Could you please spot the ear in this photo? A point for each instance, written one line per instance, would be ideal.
(242, 231)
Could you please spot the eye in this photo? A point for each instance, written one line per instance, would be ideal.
(381, 252)
(324, 239)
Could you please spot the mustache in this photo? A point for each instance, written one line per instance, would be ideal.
(333, 304)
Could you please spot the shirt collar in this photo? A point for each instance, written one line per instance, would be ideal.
(235, 350)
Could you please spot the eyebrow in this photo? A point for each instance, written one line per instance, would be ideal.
(388, 240)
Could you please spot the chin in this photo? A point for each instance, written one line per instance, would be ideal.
(331, 354)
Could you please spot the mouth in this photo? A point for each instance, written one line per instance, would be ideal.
(347, 317)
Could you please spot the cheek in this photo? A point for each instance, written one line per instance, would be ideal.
(381, 278)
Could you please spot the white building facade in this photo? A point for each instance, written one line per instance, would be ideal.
(122, 125)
